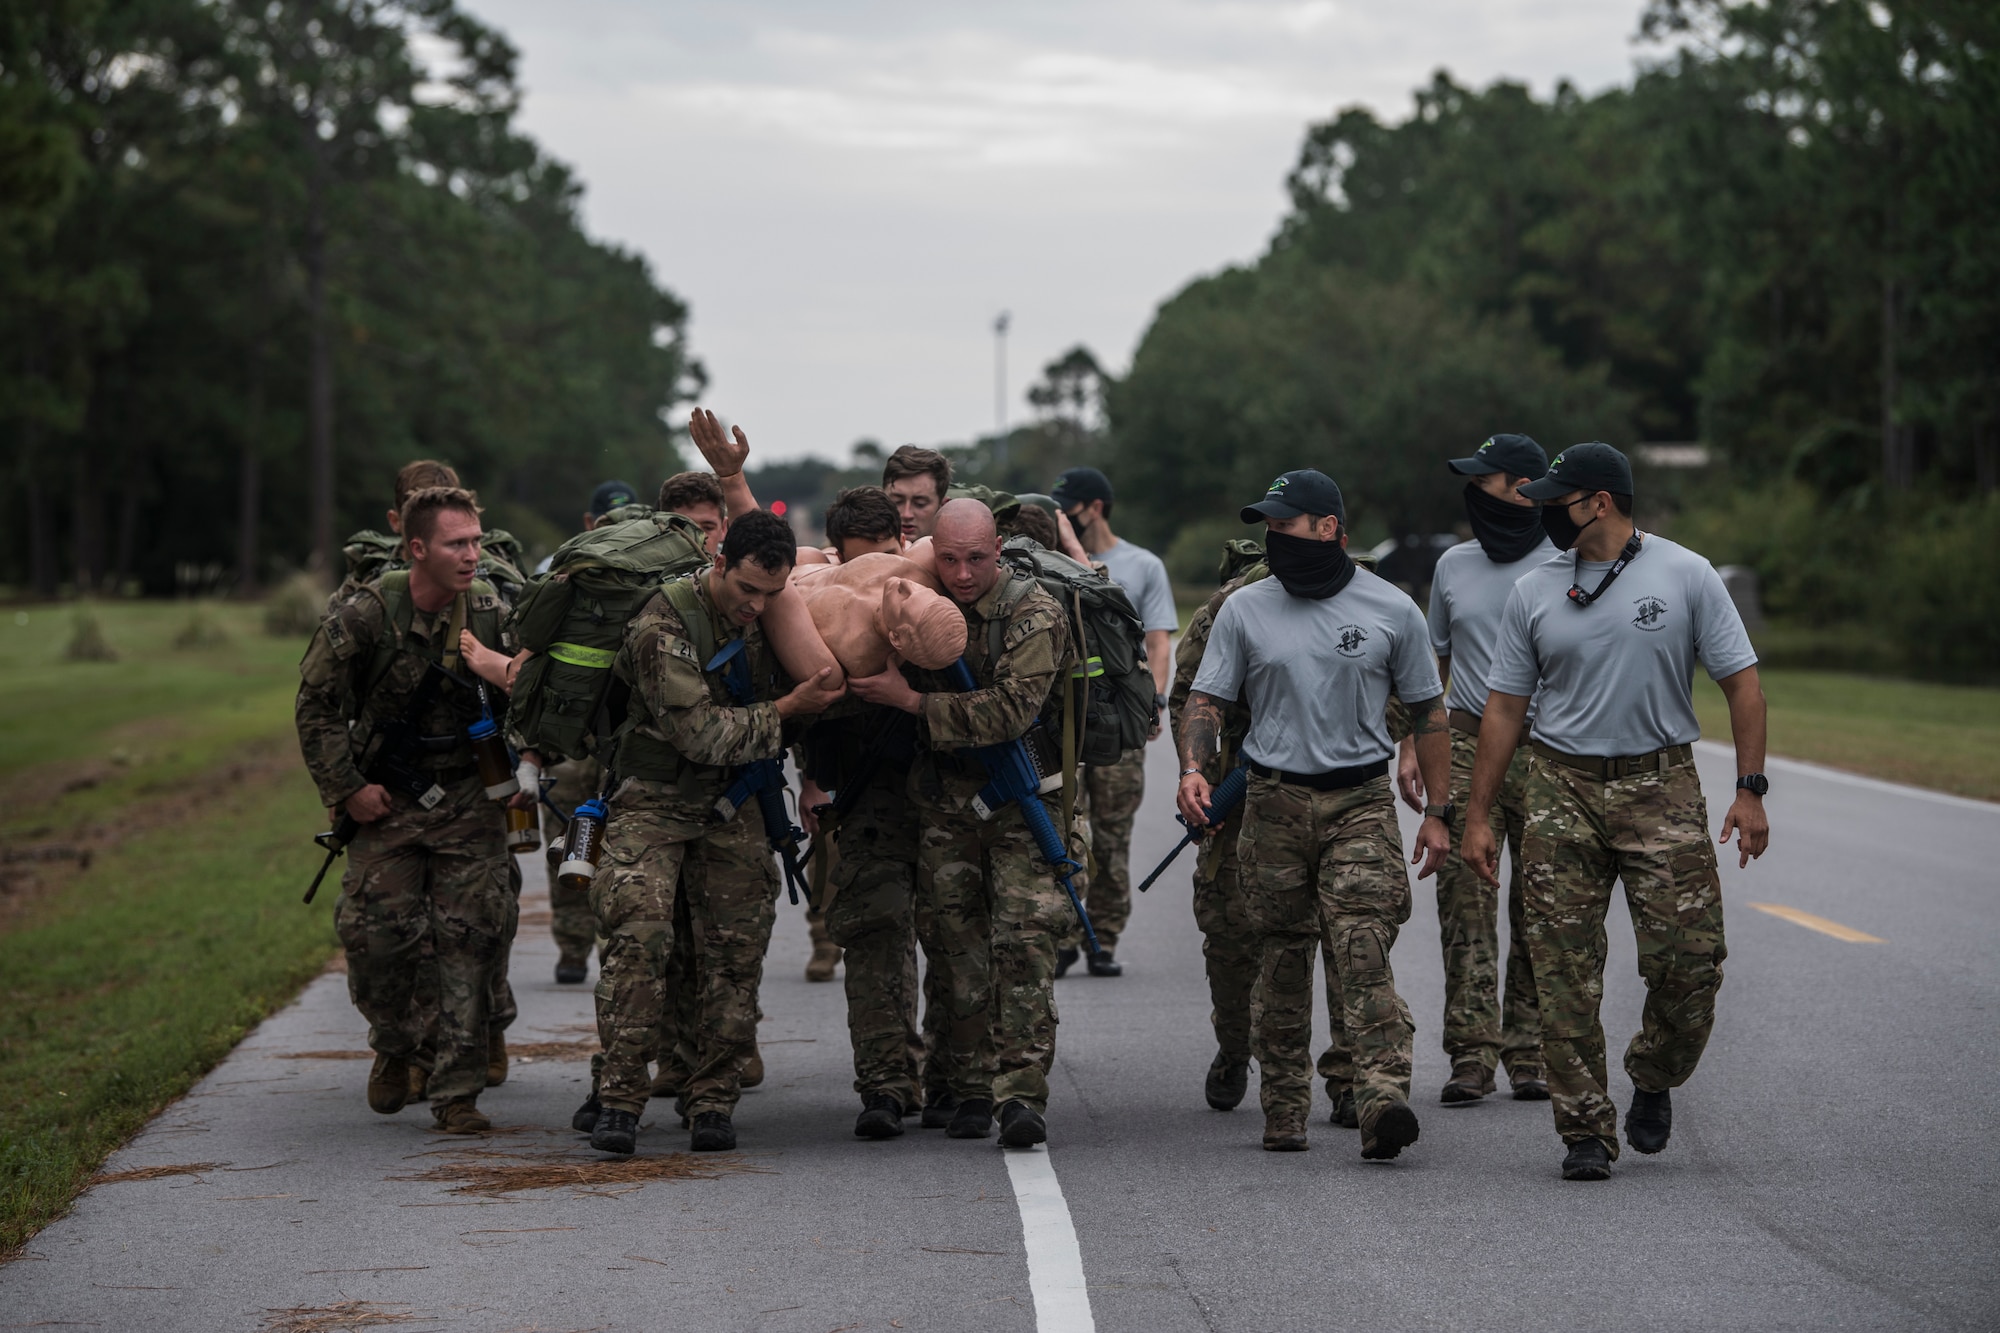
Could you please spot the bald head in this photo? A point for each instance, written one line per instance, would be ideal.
(966, 544)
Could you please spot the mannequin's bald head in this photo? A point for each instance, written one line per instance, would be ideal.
(967, 546)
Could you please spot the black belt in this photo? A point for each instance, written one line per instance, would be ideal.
(1334, 779)
(1607, 768)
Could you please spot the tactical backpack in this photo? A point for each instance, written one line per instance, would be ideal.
(573, 620)
(1109, 640)
(371, 554)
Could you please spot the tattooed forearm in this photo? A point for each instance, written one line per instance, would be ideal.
(1427, 717)
(1201, 729)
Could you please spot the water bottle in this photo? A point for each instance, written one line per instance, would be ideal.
(524, 832)
(496, 770)
(583, 846)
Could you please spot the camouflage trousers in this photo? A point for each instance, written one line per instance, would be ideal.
(1477, 1026)
(1229, 949)
(1324, 870)
(661, 849)
(1114, 793)
(570, 918)
(434, 879)
(996, 913)
(870, 913)
(1583, 835)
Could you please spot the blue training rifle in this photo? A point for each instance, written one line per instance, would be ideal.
(761, 778)
(1012, 776)
(1222, 799)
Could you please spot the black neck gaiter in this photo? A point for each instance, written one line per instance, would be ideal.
(1506, 532)
(1308, 568)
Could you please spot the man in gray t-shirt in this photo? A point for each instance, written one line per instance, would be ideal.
(1606, 641)
(1113, 792)
(1313, 651)
(1468, 594)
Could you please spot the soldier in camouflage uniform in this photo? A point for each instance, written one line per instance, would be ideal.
(430, 865)
(996, 910)
(1468, 593)
(663, 840)
(1612, 793)
(1315, 651)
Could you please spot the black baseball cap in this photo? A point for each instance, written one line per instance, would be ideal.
(611, 495)
(1515, 455)
(1583, 467)
(1079, 486)
(1302, 492)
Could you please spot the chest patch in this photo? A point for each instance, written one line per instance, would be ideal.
(1650, 613)
(1353, 641)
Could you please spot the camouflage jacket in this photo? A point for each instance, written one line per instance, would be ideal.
(364, 662)
(686, 732)
(1012, 690)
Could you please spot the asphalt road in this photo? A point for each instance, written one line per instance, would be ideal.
(1833, 1162)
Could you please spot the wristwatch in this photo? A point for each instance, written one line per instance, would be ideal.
(1444, 812)
(1754, 783)
(1189, 772)
(1159, 701)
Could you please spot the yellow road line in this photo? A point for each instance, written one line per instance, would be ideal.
(1819, 923)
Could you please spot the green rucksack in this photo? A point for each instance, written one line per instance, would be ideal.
(573, 620)
(1109, 642)
(371, 554)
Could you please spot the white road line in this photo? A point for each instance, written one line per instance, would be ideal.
(1722, 750)
(1055, 1262)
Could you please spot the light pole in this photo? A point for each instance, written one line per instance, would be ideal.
(1000, 389)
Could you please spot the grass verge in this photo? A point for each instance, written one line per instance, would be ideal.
(152, 850)
(1944, 737)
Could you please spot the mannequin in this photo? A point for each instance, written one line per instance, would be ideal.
(876, 607)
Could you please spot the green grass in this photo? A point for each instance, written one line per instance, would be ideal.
(126, 982)
(1945, 737)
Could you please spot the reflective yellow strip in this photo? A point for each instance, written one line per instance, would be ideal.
(577, 655)
(1092, 666)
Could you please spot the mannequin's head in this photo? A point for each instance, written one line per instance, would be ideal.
(925, 629)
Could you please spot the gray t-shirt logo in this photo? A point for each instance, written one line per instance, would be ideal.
(1652, 614)
(1351, 639)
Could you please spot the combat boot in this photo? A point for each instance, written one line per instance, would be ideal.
(939, 1110)
(1344, 1113)
(460, 1116)
(826, 957)
(571, 971)
(1065, 960)
(972, 1120)
(1528, 1083)
(753, 1070)
(1021, 1125)
(496, 1058)
(881, 1117)
(420, 1083)
(585, 1119)
(1470, 1080)
(1587, 1159)
(1285, 1131)
(712, 1132)
(1102, 964)
(1393, 1129)
(1650, 1121)
(1227, 1081)
(616, 1131)
(388, 1085)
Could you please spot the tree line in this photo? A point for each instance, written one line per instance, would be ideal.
(1778, 240)
(254, 256)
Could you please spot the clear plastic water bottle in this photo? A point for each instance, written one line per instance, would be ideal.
(583, 846)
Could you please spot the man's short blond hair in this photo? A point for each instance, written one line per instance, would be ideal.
(421, 475)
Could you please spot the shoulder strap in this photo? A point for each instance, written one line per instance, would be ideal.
(392, 590)
(694, 616)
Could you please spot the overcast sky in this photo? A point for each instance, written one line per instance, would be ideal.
(847, 194)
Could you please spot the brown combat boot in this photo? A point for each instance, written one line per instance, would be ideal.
(1530, 1084)
(460, 1116)
(388, 1085)
(496, 1058)
(1470, 1080)
(826, 957)
(1284, 1131)
(420, 1083)
(753, 1069)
